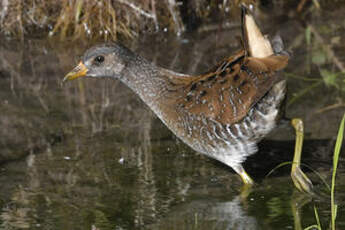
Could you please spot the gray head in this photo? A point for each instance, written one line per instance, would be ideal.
(105, 60)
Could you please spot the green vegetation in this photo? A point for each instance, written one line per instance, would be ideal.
(321, 55)
(334, 206)
(338, 145)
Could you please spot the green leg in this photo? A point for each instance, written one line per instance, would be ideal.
(298, 200)
(243, 174)
(301, 181)
(247, 182)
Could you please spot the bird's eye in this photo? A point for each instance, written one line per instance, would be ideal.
(99, 59)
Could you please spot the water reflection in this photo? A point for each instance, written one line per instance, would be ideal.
(90, 155)
(203, 214)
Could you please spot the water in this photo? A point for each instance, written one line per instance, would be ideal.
(90, 155)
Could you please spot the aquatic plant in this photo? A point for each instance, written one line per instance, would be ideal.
(334, 206)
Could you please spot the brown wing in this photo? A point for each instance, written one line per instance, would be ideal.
(228, 91)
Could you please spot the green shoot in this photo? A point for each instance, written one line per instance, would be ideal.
(337, 149)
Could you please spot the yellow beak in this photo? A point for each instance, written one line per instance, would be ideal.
(79, 71)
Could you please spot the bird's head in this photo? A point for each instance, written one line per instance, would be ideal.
(106, 60)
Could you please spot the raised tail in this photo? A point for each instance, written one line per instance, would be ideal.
(254, 42)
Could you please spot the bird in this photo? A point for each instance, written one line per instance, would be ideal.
(222, 113)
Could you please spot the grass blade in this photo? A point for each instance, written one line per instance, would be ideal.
(337, 149)
(317, 219)
(305, 165)
(312, 227)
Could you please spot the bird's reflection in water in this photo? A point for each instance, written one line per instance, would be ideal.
(208, 214)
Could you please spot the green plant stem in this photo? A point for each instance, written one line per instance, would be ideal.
(304, 91)
(317, 219)
(335, 165)
(292, 75)
(311, 227)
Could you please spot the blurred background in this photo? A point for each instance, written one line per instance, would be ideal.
(90, 155)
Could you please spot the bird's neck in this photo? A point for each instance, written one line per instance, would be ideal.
(144, 78)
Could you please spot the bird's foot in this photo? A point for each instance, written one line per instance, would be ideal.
(247, 180)
(301, 181)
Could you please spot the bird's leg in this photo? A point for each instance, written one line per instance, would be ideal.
(298, 200)
(300, 180)
(243, 174)
(247, 182)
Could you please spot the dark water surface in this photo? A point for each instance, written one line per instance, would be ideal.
(91, 155)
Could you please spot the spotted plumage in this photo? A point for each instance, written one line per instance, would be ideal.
(222, 113)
